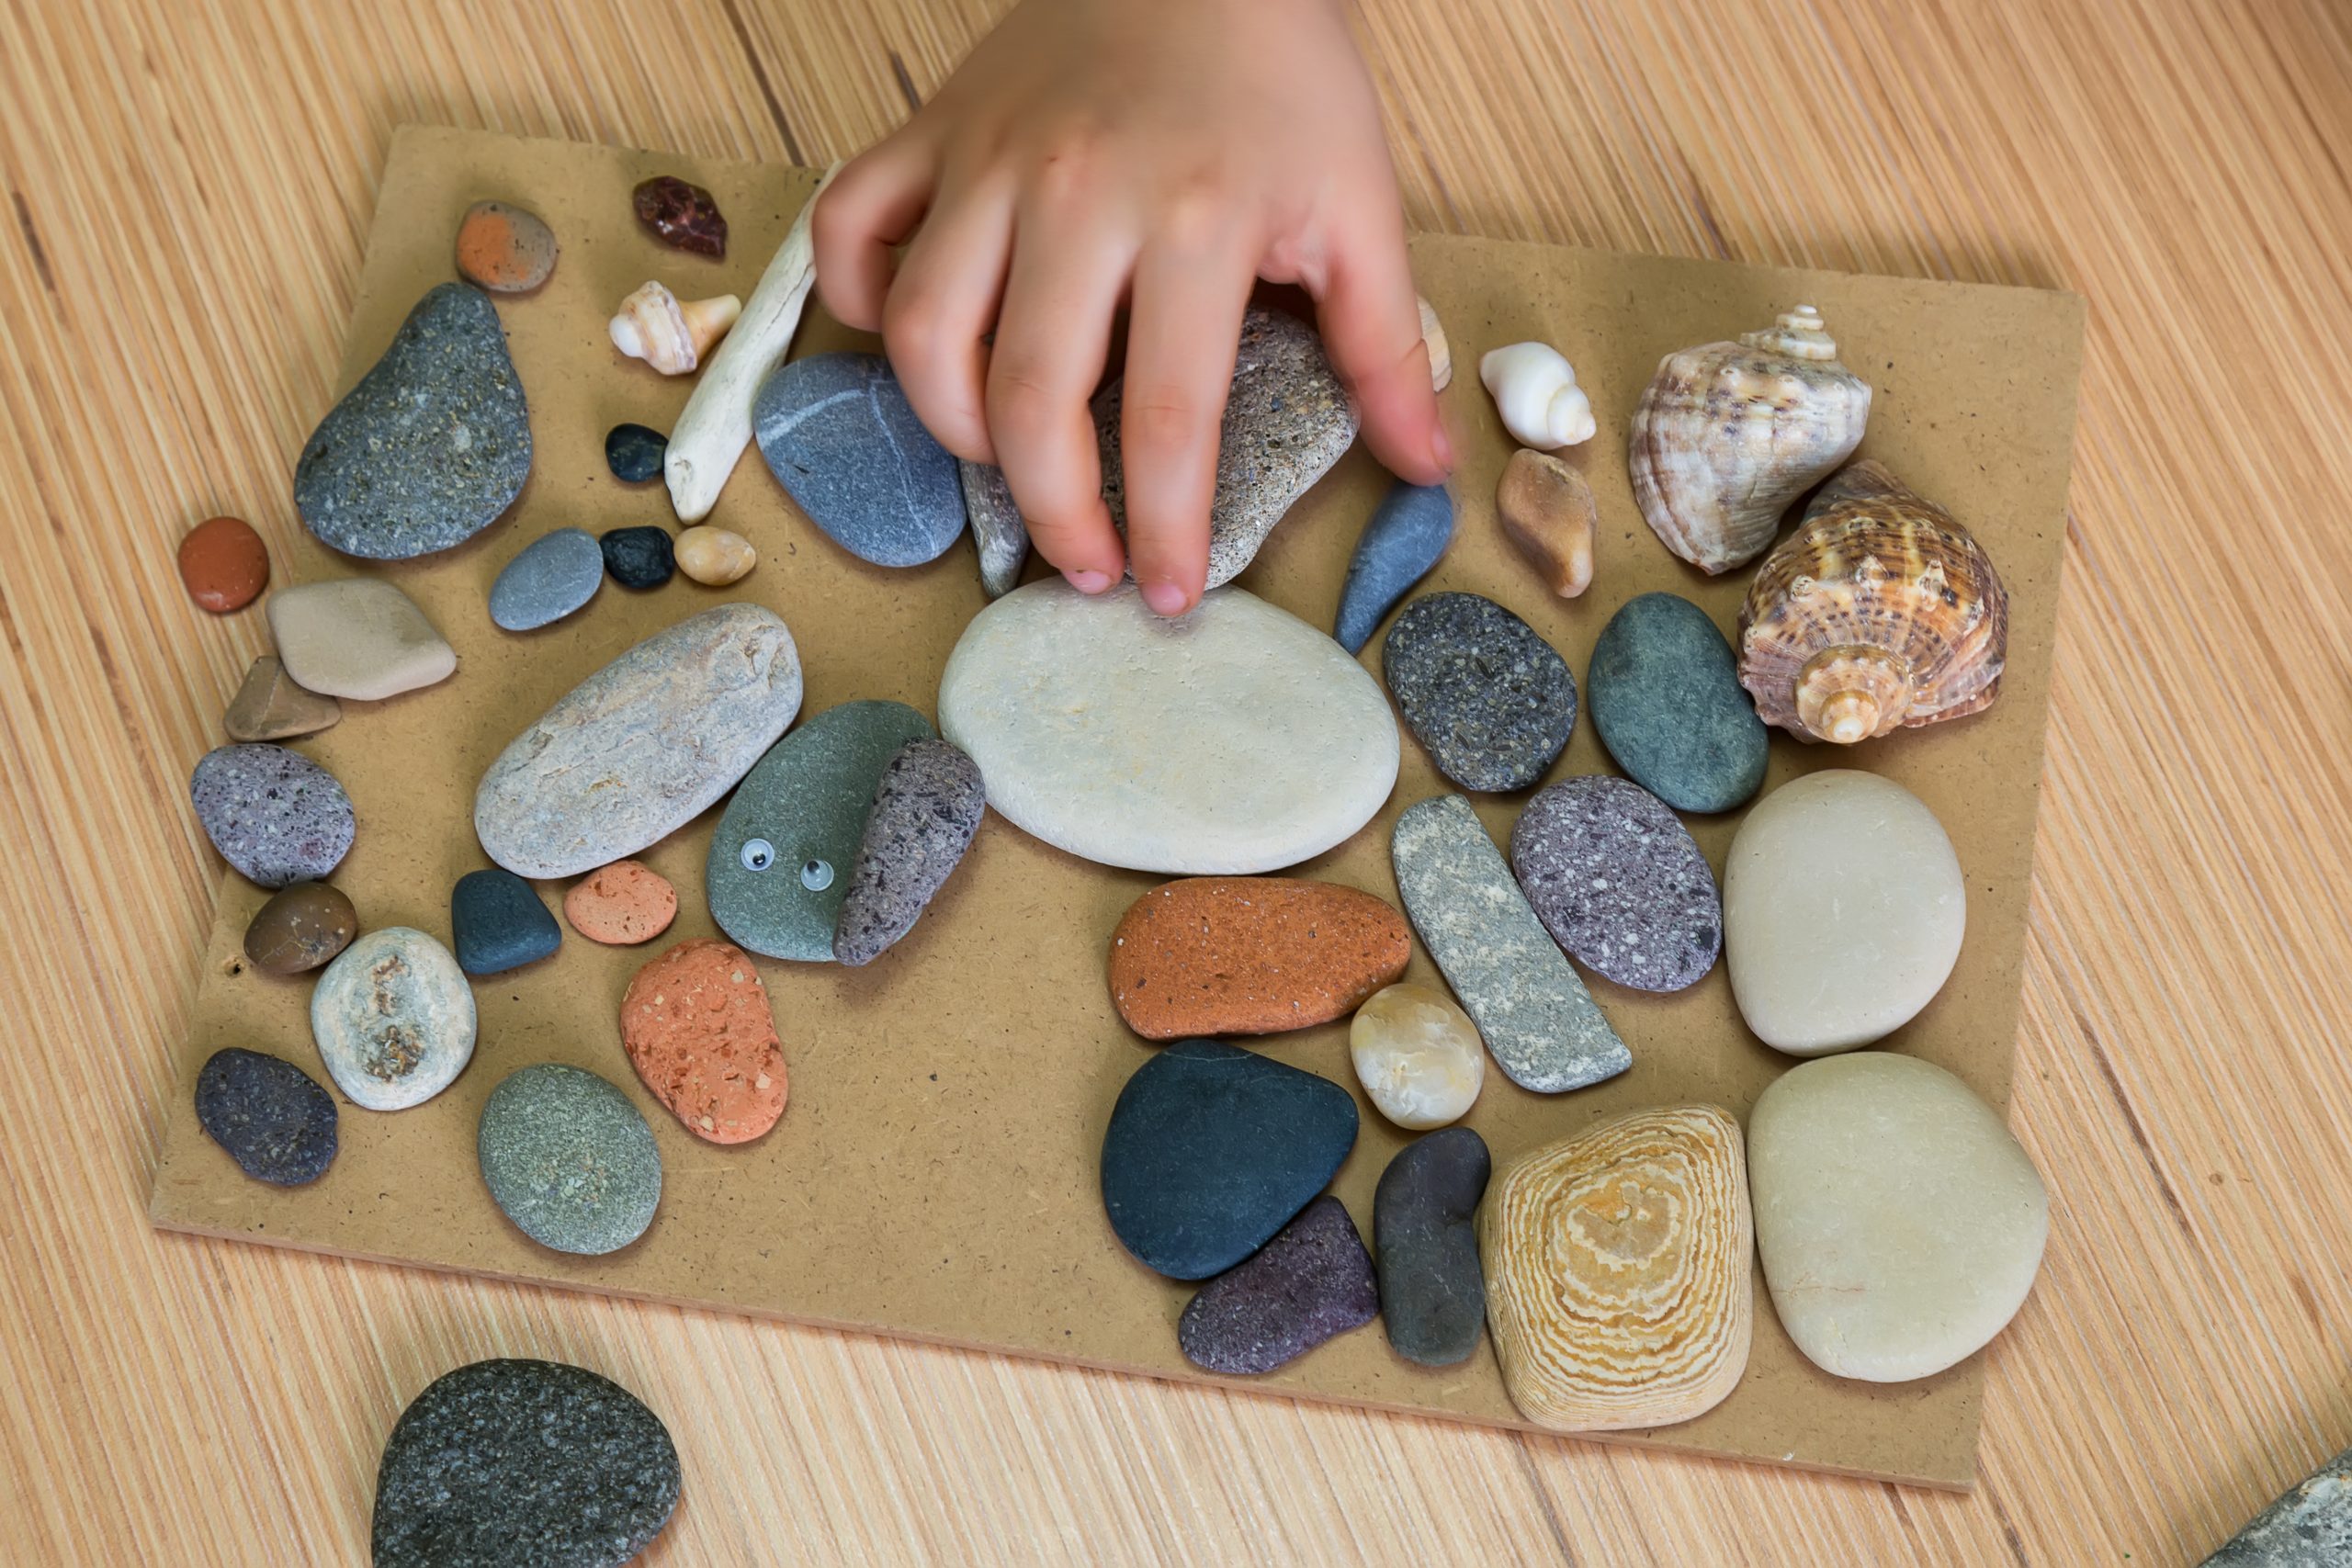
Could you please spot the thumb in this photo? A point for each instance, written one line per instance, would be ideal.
(1371, 321)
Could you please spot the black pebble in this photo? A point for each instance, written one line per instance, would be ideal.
(639, 558)
(635, 451)
(1424, 1215)
(276, 1122)
(497, 923)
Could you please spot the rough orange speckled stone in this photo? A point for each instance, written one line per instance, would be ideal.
(503, 248)
(223, 564)
(1250, 956)
(696, 1027)
(621, 904)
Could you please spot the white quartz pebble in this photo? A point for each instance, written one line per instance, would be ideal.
(1418, 1055)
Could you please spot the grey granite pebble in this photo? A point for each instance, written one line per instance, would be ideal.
(273, 1120)
(523, 1464)
(1534, 1014)
(925, 811)
(432, 444)
(393, 1019)
(642, 556)
(635, 453)
(842, 437)
(273, 814)
(1667, 702)
(1618, 881)
(2309, 1526)
(497, 923)
(1491, 701)
(999, 535)
(1425, 1237)
(1311, 1283)
(569, 1159)
(1406, 536)
(554, 575)
(1287, 420)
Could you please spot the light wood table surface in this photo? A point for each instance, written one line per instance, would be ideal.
(187, 186)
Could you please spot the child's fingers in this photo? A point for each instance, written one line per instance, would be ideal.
(873, 204)
(1371, 329)
(1181, 329)
(936, 321)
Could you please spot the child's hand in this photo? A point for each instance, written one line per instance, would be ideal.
(1164, 152)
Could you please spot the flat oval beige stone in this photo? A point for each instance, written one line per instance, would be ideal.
(356, 637)
(1900, 1224)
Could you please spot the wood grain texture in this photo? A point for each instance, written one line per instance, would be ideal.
(188, 188)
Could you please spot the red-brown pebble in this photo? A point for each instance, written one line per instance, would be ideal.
(504, 249)
(621, 904)
(1251, 955)
(696, 1026)
(223, 564)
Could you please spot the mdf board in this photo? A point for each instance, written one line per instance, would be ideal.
(936, 1174)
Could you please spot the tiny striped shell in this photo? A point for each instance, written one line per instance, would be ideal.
(1618, 1268)
(1879, 612)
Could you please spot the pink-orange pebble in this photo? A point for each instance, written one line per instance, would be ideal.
(621, 904)
(696, 1027)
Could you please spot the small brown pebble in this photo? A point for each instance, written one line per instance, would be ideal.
(696, 1027)
(622, 904)
(301, 927)
(223, 564)
(504, 249)
(270, 706)
(680, 215)
(1251, 955)
(1547, 511)
(715, 557)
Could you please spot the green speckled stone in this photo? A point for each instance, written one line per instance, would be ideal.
(1664, 694)
(569, 1159)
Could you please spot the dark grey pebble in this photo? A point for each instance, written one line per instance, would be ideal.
(272, 1117)
(635, 453)
(1312, 1283)
(1619, 882)
(1491, 700)
(999, 535)
(843, 440)
(273, 814)
(432, 444)
(1667, 702)
(2309, 1526)
(642, 556)
(1406, 536)
(523, 1464)
(1212, 1149)
(497, 923)
(569, 1159)
(1425, 1234)
(554, 575)
(925, 811)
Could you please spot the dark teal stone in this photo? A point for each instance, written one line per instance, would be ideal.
(1212, 1149)
(1425, 1229)
(842, 437)
(1406, 538)
(497, 923)
(1667, 699)
(782, 855)
(635, 453)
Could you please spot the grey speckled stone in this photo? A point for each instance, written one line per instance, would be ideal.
(1406, 536)
(273, 814)
(569, 1159)
(1311, 1283)
(394, 1018)
(998, 533)
(273, 1120)
(1287, 420)
(431, 445)
(1618, 881)
(842, 437)
(1425, 1230)
(2309, 1526)
(555, 574)
(642, 746)
(781, 857)
(523, 1464)
(1667, 702)
(1534, 1014)
(1491, 701)
(925, 811)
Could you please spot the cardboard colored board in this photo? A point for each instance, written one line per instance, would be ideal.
(935, 1175)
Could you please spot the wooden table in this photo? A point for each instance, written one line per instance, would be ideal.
(189, 183)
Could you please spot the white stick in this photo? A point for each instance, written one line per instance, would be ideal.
(716, 424)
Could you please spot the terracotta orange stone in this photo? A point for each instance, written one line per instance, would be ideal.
(223, 564)
(696, 1026)
(504, 249)
(1251, 955)
(622, 904)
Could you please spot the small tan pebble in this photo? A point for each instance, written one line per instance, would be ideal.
(1548, 509)
(503, 248)
(1418, 1055)
(714, 556)
(1440, 353)
(621, 904)
(270, 706)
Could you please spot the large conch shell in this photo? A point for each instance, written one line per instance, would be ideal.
(1880, 611)
(1535, 391)
(1728, 433)
(672, 336)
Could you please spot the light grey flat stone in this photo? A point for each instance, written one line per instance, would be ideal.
(394, 1018)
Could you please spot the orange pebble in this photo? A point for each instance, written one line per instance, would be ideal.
(223, 564)
(504, 249)
(696, 1027)
(622, 904)
(1251, 955)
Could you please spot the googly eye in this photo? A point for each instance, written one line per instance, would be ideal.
(757, 854)
(816, 876)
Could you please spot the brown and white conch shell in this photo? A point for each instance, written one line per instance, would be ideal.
(669, 335)
(1728, 433)
(1880, 611)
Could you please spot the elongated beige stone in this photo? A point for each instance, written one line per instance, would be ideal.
(356, 637)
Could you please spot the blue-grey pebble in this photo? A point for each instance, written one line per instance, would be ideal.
(1667, 699)
(1407, 535)
(569, 1159)
(2309, 1525)
(271, 1116)
(1425, 1237)
(635, 453)
(1490, 700)
(430, 448)
(497, 923)
(925, 811)
(842, 437)
(556, 574)
(273, 814)
(781, 858)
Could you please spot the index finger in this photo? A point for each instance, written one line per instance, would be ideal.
(1371, 321)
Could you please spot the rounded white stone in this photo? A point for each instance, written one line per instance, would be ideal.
(1843, 911)
(1418, 1055)
(394, 1018)
(1234, 740)
(1899, 1224)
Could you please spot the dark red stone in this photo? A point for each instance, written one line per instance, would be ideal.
(681, 214)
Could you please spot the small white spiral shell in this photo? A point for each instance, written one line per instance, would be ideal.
(1535, 391)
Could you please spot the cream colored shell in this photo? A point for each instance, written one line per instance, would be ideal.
(1535, 392)
(1728, 433)
(1879, 612)
(672, 336)
(1618, 1271)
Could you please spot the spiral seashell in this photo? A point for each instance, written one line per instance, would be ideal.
(1879, 612)
(1535, 391)
(1617, 1265)
(1728, 433)
(671, 336)
(1433, 339)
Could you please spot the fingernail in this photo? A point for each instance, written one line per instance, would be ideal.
(1165, 598)
(1088, 581)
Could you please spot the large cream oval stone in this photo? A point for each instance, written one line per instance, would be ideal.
(1843, 910)
(1233, 740)
(1899, 1224)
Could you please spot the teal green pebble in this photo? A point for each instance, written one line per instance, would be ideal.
(1664, 694)
(781, 859)
(569, 1159)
